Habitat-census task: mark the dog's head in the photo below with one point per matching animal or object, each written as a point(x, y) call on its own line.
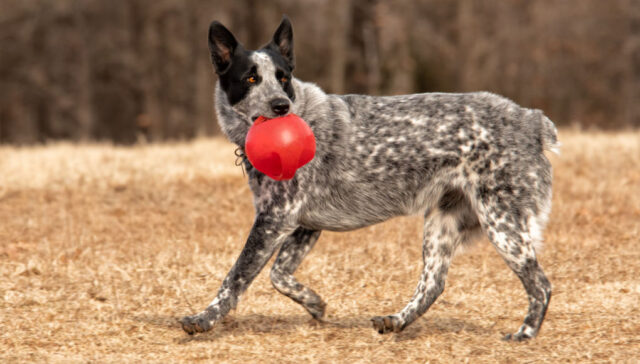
point(254, 82)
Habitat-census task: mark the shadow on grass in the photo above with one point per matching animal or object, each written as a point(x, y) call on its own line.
point(158, 321)
point(433, 326)
point(269, 324)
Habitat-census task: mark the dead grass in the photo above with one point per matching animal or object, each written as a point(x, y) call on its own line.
point(103, 248)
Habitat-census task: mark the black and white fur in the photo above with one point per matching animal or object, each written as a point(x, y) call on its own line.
point(472, 163)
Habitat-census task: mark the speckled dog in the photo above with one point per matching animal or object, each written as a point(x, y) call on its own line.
point(471, 163)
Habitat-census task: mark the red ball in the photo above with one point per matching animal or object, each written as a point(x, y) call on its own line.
point(278, 147)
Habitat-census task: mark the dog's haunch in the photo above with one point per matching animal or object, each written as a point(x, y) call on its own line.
point(278, 147)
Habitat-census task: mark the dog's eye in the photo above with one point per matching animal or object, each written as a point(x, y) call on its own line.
point(251, 79)
point(284, 79)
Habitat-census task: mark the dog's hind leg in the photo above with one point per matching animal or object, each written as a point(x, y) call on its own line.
point(514, 242)
point(446, 227)
point(513, 212)
point(293, 250)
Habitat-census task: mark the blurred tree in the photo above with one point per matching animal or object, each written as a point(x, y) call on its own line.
point(140, 70)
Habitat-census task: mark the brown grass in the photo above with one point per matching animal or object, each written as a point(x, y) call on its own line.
point(103, 248)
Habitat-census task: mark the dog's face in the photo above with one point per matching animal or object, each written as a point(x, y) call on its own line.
point(255, 82)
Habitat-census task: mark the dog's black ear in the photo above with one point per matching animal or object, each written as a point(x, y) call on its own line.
point(222, 44)
point(283, 40)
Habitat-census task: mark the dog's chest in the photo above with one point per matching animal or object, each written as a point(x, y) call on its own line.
point(346, 207)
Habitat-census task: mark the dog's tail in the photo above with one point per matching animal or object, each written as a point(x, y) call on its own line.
point(548, 132)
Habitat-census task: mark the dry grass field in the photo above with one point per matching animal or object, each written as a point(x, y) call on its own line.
point(103, 248)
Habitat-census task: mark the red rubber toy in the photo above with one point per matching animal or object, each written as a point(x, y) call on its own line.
point(278, 147)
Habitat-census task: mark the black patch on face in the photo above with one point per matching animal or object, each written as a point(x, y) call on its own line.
point(235, 82)
point(283, 69)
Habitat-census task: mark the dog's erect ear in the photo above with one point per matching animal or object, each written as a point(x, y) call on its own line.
point(222, 44)
point(283, 40)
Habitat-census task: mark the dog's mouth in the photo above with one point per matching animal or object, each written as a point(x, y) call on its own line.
point(259, 119)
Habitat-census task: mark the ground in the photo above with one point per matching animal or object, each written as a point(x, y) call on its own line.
point(103, 249)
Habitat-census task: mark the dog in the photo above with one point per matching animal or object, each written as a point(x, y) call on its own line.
point(472, 163)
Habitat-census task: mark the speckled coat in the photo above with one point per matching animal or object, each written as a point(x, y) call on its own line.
point(470, 163)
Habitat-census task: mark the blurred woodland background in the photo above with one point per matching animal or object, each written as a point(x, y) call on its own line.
point(122, 70)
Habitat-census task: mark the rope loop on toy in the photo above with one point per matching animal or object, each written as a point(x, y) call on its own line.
point(240, 158)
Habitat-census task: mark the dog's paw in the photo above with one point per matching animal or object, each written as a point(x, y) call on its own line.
point(316, 308)
point(526, 332)
point(197, 323)
point(518, 336)
point(384, 324)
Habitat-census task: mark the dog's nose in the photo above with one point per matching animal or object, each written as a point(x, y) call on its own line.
point(280, 106)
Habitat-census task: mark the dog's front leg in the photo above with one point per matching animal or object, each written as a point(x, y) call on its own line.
point(267, 234)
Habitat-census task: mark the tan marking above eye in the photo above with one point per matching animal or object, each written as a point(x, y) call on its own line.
point(284, 79)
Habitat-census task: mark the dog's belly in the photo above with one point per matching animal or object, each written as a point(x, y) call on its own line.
point(343, 209)
point(335, 220)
